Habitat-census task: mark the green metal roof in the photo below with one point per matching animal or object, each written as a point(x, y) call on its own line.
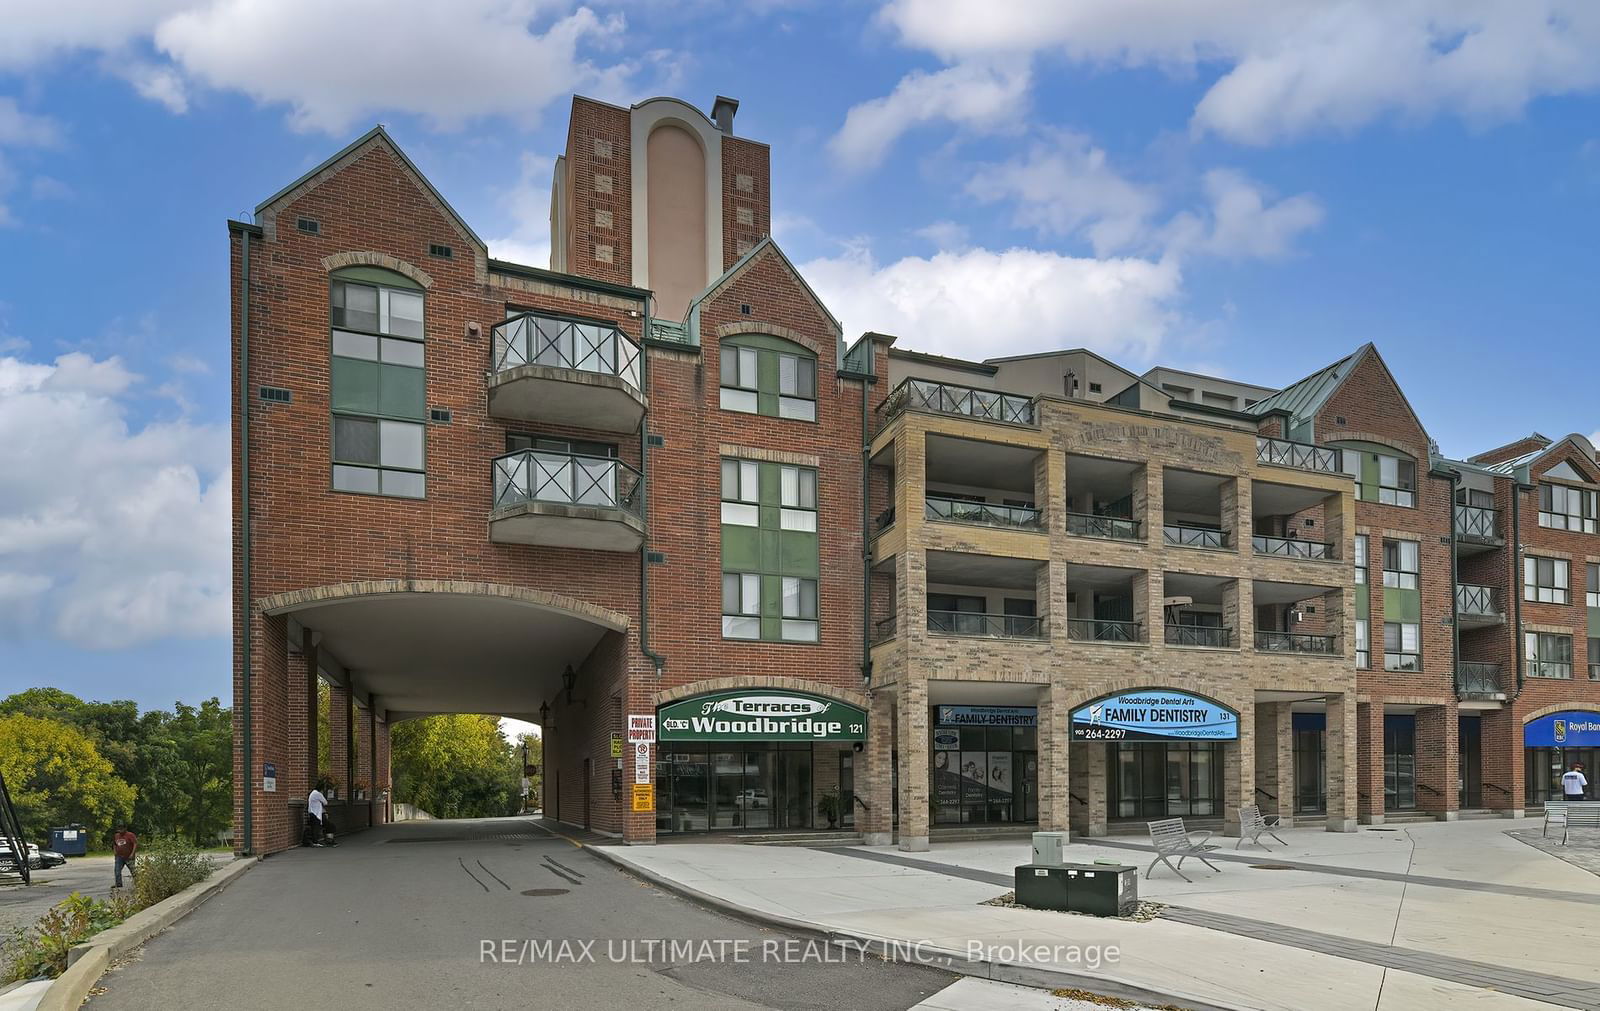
point(1306, 397)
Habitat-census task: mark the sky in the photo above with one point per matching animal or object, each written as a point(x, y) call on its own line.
point(1250, 188)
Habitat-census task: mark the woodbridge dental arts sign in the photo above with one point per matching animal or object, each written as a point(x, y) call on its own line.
point(1154, 714)
point(759, 714)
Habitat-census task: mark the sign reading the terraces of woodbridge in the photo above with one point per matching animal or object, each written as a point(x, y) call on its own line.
point(1154, 714)
point(761, 714)
point(1571, 729)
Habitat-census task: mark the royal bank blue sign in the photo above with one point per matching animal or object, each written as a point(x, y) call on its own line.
point(1571, 729)
point(1154, 714)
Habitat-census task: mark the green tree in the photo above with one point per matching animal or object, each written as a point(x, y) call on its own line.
point(191, 767)
point(57, 777)
point(458, 766)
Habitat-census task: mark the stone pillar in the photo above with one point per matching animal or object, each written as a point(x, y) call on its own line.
point(1439, 761)
point(911, 725)
point(1341, 743)
point(339, 754)
point(1504, 766)
point(1238, 612)
point(1055, 807)
point(875, 775)
point(1369, 767)
point(1098, 787)
point(1333, 528)
point(1275, 760)
point(1239, 768)
point(1147, 596)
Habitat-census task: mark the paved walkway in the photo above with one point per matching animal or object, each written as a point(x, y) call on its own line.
point(1582, 848)
point(1433, 915)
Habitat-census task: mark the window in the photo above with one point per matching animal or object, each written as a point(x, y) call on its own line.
point(378, 384)
point(1400, 649)
point(442, 252)
point(551, 444)
point(1094, 387)
point(1563, 508)
point(1594, 659)
point(1397, 481)
point(1544, 580)
point(760, 377)
point(1361, 559)
point(1592, 596)
point(741, 490)
point(1350, 459)
point(1400, 564)
point(799, 609)
point(1547, 655)
point(798, 495)
point(1363, 654)
point(741, 605)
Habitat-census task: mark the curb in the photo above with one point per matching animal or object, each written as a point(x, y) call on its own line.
point(942, 958)
point(87, 961)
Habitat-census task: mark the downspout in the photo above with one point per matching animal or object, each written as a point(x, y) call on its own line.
point(644, 498)
point(244, 524)
point(1516, 574)
point(866, 540)
point(1455, 594)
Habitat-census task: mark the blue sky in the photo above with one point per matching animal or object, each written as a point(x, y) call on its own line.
point(1252, 189)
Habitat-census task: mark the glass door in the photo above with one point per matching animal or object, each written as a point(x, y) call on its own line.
point(1470, 738)
point(791, 796)
point(1310, 773)
point(1399, 763)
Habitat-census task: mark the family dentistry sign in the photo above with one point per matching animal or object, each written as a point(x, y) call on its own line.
point(761, 715)
point(1154, 714)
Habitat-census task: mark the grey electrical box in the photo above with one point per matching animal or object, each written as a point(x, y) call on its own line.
point(1097, 889)
point(1050, 848)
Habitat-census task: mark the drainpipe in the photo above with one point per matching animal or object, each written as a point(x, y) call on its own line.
point(244, 526)
point(1516, 574)
point(644, 499)
point(866, 541)
point(1455, 596)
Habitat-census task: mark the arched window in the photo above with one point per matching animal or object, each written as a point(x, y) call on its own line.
point(379, 383)
point(1382, 474)
point(768, 375)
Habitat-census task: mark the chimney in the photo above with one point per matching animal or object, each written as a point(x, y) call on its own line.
point(722, 111)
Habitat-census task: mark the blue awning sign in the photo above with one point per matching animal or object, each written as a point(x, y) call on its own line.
point(1572, 728)
point(1155, 714)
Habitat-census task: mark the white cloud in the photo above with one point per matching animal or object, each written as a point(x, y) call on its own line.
point(158, 83)
point(1289, 67)
point(979, 97)
point(1241, 221)
point(948, 236)
point(118, 532)
point(982, 302)
point(22, 129)
point(40, 30)
point(527, 211)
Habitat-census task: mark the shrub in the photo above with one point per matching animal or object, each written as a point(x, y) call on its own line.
point(42, 951)
point(165, 867)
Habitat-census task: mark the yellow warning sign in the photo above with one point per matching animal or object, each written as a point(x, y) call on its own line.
point(616, 745)
point(644, 796)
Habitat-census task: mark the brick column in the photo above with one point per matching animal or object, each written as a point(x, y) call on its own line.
point(362, 744)
point(381, 778)
point(1055, 807)
point(339, 738)
point(308, 648)
point(1099, 790)
point(875, 773)
point(1369, 766)
point(1439, 761)
point(1503, 763)
point(1341, 744)
point(1238, 611)
point(911, 726)
point(1239, 768)
point(1230, 501)
point(1275, 759)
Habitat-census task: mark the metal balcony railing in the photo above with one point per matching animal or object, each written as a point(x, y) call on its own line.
point(1290, 547)
point(885, 520)
point(1194, 537)
point(883, 629)
point(1117, 528)
point(993, 626)
point(962, 511)
point(1296, 642)
point(949, 398)
point(1474, 599)
point(1097, 630)
point(1478, 680)
point(531, 339)
point(1477, 522)
point(536, 475)
point(1298, 454)
point(1199, 635)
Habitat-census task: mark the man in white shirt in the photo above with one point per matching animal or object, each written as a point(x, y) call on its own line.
point(1573, 782)
point(316, 803)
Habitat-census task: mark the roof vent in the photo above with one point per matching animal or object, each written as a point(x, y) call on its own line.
point(722, 111)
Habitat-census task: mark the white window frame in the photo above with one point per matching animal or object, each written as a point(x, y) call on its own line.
point(745, 621)
point(1395, 660)
point(1402, 578)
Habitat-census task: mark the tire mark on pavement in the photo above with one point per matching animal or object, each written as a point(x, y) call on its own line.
point(564, 867)
point(474, 877)
point(492, 874)
point(560, 873)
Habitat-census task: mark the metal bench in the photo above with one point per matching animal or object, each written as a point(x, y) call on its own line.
point(1253, 825)
point(1578, 816)
point(1555, 813)
point(1171, 840)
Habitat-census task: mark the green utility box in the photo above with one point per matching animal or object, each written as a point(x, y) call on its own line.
point(1097, 889)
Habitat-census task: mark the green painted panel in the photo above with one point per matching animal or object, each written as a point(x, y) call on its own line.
point(771, 493)
point(1370, 474)
point(1402, 605)
point(769, 551)
point(402, 392)
point(376, 275)
point(1594, 628)
point(772, 629)
point(741, 549)
point(771, 597)
point(767, 342)
point(798, 553)
point(1363, 602)
point(355, 385)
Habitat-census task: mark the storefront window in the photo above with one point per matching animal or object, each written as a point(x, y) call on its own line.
point(1166, 780)
point(984, 765)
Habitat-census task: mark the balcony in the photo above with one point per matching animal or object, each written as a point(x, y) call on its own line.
point(1296, 642)
point(1303, 455)
point(1113, 527)
point(1479, 681)
point(949, 398)
point(981, 513)
point(564, 372)
point(987, 626)
point(564, 500)
point(1477, 529)
point(1291, 547)
point(883, 629)
point(1195, 537)
point(1096, 630)
point(1199, 635)
point(1478, 606)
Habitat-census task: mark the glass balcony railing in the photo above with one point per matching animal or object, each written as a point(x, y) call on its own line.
point(1477, 522)
point(1199, 635)
point(1284, 453)
point(949, 398)
point(531, 339)
point(963, 511)
point(1116, 528)
point(1473, 599)
point(1290, 547)
point(1194, 537)
point(1097, 630)
point(1296, 642)
point(993, 626)
point(532, 475)
point(1478, 680)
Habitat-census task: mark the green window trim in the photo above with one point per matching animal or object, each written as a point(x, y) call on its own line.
point(1365, 461)
point(770, 376)
point(770, 540)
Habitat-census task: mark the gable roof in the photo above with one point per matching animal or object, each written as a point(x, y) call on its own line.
point(1305, 398)
point(692, 317)
point(349, 153)
point(1521, 467)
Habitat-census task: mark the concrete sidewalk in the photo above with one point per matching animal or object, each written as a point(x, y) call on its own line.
point(1432, 915)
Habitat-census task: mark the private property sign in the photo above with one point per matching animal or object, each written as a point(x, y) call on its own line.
point(641, 729)
point(1154, 714)
point(761, 714)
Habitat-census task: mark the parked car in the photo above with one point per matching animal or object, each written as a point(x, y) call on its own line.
point(38, 859)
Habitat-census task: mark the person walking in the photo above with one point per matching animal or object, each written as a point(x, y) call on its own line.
point(1574, 783)
point(316, 804)
point(124, 845)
